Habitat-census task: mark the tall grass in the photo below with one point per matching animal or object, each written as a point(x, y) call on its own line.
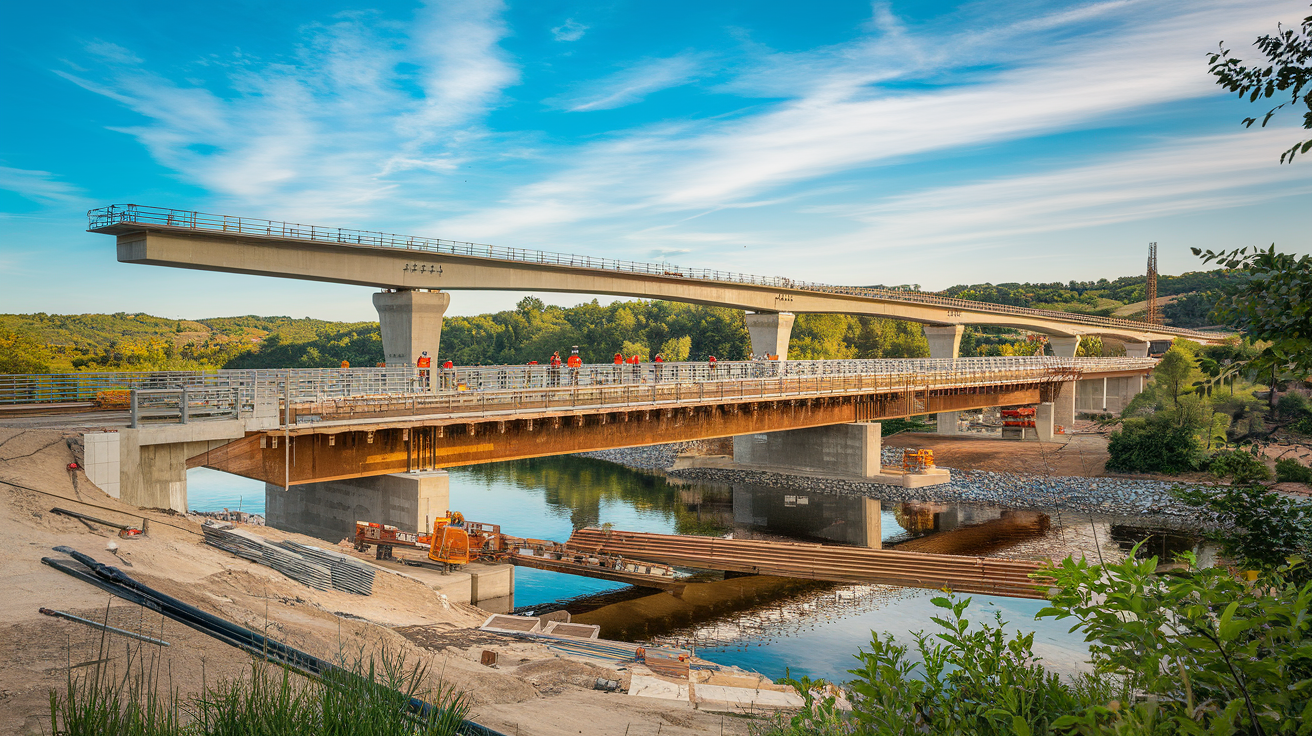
point(370, 697)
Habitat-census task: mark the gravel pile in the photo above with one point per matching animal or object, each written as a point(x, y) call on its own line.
point(1105, 496)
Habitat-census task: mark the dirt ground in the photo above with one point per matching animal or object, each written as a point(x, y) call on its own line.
point(1083, 455)
point(532, 692)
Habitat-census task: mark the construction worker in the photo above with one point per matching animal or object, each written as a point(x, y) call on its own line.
point(659, 358)
point(346, 364)
point(423, 364)
point(554, 370)
point(575, 363)
point(619, 367)
point(448, 374)
point(711, 361)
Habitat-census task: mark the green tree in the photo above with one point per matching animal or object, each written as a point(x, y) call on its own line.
point(676, 349)
point(1156, 444)
point(22, 352)
point(1273, 305)
point(1286, 70)
point(1173, 371)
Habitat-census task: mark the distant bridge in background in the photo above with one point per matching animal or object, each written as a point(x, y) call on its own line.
point(417, 272)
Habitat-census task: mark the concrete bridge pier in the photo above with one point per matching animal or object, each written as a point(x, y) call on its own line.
point(411, 323)
point(944, 341)
point(945, 344)
point(329, 509)
point(1137, 349)
point(1064, 347)
point(769, 332)
point(845, 449)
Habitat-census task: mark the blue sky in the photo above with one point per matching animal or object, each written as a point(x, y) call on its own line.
point(845, 142)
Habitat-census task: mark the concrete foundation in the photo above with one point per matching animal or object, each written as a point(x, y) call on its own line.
point(845, 449)
point(329, 510)
point(411, 324)
point(1064, 347)
point(948, 422)
point(770, 333)
point(944, 341)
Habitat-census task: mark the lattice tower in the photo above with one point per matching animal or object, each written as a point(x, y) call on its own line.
point(1153, 315)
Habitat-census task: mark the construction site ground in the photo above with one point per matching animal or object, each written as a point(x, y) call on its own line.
point(532, 691)
point(1082, 455)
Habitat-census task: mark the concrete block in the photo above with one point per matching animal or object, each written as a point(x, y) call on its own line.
point(948, 422)
point(329, 510)
point(845, 449)
point(489, 582)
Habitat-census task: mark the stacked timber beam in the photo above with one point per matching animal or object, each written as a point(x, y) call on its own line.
point(984, 575)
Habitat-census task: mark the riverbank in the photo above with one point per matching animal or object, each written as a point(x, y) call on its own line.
point(533, 690)
point(1145, 502)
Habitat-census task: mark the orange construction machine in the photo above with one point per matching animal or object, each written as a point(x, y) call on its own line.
point(453, 541)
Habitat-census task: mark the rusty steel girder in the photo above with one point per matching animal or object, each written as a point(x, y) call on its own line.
point(316, 452)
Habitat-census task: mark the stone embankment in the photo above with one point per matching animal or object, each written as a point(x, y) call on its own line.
point(1117, 497)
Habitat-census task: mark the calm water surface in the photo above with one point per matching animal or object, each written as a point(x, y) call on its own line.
point(759, 623)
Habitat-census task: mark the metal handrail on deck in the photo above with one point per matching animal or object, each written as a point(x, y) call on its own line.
point(147, 216)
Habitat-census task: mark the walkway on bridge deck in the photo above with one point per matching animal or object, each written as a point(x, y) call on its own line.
point(985, 575)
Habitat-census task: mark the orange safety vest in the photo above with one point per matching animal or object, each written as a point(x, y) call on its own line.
point(575, 361)
point(424, 361)
point(619, 359)
point(448, 365)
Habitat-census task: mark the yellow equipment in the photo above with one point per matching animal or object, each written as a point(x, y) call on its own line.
point(458, 542)
point(917, 461)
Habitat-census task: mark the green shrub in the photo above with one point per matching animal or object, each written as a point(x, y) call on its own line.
point(1294, 405)
point(1260, 529)
point(1302, 426)
point(1289, 470)
point(1153, 445)
point(1238, 465)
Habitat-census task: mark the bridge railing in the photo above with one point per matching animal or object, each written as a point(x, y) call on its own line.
point(118, 214)
point(261, 393)
point(182, 405)
point(907, 377)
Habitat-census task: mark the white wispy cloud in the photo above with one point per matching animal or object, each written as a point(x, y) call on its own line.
point(336, 129)
point(570, 30)
point(42, 187)
point(631, 84)
point(1169, 177)
point(840, 118)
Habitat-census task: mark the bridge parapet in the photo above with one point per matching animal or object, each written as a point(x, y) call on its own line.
point(128, 218)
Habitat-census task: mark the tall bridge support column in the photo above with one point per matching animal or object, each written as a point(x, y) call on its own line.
point(1043, 421)
point(329, 509)
point(948, 422)
point(944, 341)
point(411, 324)
point(1064, 347)
point(770, 332)
point(1137, 349)
point(847, 449)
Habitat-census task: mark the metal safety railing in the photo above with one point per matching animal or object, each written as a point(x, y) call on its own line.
point(258, 392)
point(163, 217)
point(910, 379)
point(182, 405)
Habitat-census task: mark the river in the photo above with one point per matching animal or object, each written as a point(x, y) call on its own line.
point(769, 625)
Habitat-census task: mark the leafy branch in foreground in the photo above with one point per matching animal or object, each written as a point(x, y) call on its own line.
point(1289, 52)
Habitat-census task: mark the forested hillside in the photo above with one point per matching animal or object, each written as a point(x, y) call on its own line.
point(532, 331)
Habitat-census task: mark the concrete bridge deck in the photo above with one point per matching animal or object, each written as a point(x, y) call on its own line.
point(416, 270)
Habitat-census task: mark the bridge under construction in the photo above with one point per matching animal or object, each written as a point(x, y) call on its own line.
point(416, 275)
